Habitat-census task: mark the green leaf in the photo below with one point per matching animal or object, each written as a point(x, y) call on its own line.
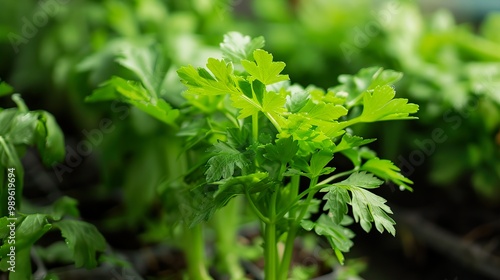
point(316, 166)
point(365, 79)
point(50, 139)
point(283, 151)
point(5, 89)
point(150, 66)
point(206, 202)
point(237, 47)
point(64, 206)
point(336, 203)
point(223, 163)
point(322, 111)
point(135, 94)
point(246, 105)
point(386, 170)
point(55, 211)
point(28, 230)
point(338, 236)
point(297, 99)
point(264, 69)
point(84, 240)
point(318, 162)
point(199, 81)
point(18, 127)
point(119, 88)
point(351, 141)
point(366, 206)
point(361, 180)
point(273, 106)
point(314, 125)
point(380, 105)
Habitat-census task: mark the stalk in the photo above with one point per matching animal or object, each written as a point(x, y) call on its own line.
point(292, 233)
point(226, 227)
point(177, 163)
point(270, 251)
point(194, 250)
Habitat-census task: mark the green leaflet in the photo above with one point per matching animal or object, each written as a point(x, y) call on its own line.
point(386, 170)
point(338, 236)
point(150, 66)
point(237, 47)
point(380, 105)
point(83, 239)
point(135, 94)
point(220, 79)
point(264, 69)
point(224, 161)
point(204, 201)
point(351, 141)
point(366, 206)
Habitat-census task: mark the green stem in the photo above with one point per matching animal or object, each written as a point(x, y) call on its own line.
point(312, 185)
point(290, 239)
point(255, 209)
point(270, 251)
point(292, 233)
point(336, 176)
point(255, 127)
point(194, 250)
point(176, 163)
point(226, 227)
point(287, 254)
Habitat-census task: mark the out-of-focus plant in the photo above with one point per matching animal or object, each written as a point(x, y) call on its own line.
point(22, 227)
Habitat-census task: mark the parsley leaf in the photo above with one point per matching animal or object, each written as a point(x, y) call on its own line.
point(223, 163)
point(84, 240)
point(199, 81)
point(366, 206)
point(351, 141)
point(237, 47)
point(338, 236)
point(205, 201)
point(336, 203)
point(134, 93)
point(379, 105)
point(264, 69)
point(150, 66)
point(386, 170)
point(283, 151)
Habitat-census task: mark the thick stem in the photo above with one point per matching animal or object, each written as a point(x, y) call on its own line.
point(194, 250)
point(226, 227)
point(177, 163)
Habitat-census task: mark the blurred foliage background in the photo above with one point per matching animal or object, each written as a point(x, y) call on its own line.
point(57, 52)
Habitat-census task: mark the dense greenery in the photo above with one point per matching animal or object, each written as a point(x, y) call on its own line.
point(198, 139)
